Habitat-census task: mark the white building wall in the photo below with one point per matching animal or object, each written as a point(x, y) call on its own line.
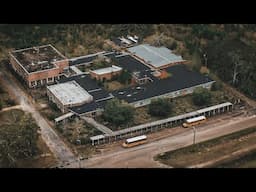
point(171, 94)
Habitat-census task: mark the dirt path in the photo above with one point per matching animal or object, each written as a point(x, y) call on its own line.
point(53, 141)
point(142, 156)
point(10, 108)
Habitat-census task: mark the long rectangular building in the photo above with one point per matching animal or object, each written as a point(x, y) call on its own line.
point(68, 94)
point(181, 82)
point(156, 57)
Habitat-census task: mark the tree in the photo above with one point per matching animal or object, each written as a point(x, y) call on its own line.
point(173, 45)
point(1, 104)
point(117, 113)
point(125, 77)
point(201, 96)
point(159, 107)
point(19, 141)
point(1, 90)
point(236, 60)
point(216, 86)
point(196, 61)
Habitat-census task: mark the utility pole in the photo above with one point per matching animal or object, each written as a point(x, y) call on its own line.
point(194, 138)
point(205, 57)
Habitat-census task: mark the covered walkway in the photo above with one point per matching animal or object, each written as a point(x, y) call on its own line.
point(160, 124)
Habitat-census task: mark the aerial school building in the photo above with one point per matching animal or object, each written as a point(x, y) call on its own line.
point(80, 93)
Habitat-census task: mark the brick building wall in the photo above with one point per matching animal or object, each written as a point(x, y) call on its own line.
point(106, 76)
point(39, 78)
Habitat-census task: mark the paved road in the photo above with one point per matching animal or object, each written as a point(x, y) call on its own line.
point(53, 141)
point(142, 156)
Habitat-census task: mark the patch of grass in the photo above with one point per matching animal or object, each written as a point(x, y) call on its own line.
point(113, 85)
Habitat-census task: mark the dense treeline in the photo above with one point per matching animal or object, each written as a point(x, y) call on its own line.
point(234, 62)
point(229, 47)
point(66, 36)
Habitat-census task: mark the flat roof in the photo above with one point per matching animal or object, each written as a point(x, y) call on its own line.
point(181, 78)
point(70, 93)
point(130, 64)
point(155, 56)
point(62, 117)
point(97, 137)
point(84, 80)
point(38, 58)
point(93, 106)
point(100, 95)
point(106, 70)
point(214, 107)
point(90, 85)
point(195, 119)
point(133, 139)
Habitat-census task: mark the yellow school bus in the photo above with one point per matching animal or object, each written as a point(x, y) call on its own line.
point(134, 141)
point(194, 121)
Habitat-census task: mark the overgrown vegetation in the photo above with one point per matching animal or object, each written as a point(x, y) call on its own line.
point(5, 100)
point(100, 62)
point(18, 137)
point(117, 113)
point(216, 86)
point(70, 39)
point(125, 77)
point(201, 96)
point(160, 107)
point(235, 65)
point(77, 131)
point(229, 48)
point(51, 112)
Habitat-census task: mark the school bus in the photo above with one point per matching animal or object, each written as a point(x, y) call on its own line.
point(134, 141)
point(194, 121)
